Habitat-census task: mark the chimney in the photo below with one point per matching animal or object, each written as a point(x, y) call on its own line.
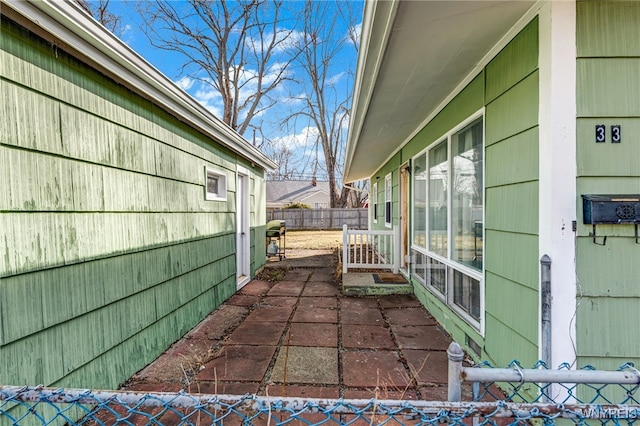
point(314, 181)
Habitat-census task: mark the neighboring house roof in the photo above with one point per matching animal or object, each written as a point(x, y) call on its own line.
point(71, 28)
point(415, 56)
point(283, 192)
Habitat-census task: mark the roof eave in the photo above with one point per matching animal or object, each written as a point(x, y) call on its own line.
point(73, 28)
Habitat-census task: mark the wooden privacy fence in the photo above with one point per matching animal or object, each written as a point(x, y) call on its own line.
point(298, 219)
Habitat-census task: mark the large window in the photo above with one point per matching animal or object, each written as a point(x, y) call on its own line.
point(448, 211)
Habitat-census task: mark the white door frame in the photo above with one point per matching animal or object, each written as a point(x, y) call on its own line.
point(243, 236)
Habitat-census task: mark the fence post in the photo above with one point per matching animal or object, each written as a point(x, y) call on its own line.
point(454, 387)
point(345, 248)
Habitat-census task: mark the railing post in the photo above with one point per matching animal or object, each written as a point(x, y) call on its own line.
point(345, 248)
point(455, 355)
point(396, 249)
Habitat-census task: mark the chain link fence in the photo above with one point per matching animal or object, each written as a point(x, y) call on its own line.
point(498, 396)
point(47, 406)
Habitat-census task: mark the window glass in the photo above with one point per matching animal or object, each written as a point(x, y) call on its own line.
point(420, 175)
point(419, 270)
point(467, 196)
point(212, 184)
point(374, 194)
point(387, 200)
point(466, 293)
point(437, 275)
point(438, 177)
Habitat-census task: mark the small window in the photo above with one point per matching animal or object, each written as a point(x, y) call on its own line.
point(215, 185)
point(374, 201)
point(387, 200)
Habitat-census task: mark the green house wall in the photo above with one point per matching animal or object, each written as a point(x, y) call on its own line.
point(110, 250)
point(507, 89)
point(608, 66)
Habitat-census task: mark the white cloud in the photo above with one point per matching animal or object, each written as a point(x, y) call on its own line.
point(185, 83)
point(336, 78)
point(307, 137)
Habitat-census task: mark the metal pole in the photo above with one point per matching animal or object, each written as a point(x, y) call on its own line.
point(545, 308)
point(455, 355)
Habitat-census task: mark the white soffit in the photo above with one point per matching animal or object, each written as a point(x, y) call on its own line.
point(431, 48)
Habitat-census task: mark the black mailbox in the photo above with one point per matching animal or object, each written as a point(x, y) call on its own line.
point(611, 209)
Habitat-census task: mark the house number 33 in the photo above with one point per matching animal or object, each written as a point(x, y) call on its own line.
point(601, 132)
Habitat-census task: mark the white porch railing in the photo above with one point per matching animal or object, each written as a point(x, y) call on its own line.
point(364, 249)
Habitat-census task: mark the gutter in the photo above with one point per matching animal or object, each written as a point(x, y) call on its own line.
point(72, 29)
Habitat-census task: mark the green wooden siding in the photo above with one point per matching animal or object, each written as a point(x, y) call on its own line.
point(608, 66)
point(111, 250)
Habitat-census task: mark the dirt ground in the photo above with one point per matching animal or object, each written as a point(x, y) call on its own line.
point(313, 240)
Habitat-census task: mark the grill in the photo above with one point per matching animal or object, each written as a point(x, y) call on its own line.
point(276, 240)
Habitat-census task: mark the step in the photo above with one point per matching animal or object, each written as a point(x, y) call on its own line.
point(374, 284)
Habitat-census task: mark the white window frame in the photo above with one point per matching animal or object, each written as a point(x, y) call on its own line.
point(388, 200)
point(448, 297)
point(221, 195)
point(374, 201)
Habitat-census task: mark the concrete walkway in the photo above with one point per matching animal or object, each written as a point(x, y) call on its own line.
point(301, 337)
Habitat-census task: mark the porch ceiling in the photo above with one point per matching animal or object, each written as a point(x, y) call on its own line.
point(413, 55)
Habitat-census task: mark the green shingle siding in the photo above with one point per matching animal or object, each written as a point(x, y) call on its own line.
point(111, 251)
point(511, 204)
point(608, 66)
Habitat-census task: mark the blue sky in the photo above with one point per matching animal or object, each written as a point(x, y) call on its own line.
point(300, 137)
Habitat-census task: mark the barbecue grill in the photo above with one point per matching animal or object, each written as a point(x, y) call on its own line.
point(276, 240)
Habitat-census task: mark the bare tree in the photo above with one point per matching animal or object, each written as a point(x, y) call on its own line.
point(327, 103)
point(100, 11)
point(233, 47)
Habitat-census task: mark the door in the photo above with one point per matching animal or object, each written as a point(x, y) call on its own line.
point(404, 216)
point(243, 257)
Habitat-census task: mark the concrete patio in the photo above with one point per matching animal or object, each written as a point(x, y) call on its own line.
point(302, 337)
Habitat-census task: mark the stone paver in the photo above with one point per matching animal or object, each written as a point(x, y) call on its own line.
point(320, 289)
point(317, 302)
point(369, 316)
point(287, 288)
point(428, 367)
point(313, 314)
point(256, 287)
point(257, 333)
point(409, 316)
point(366, 336)
point(381, 369)
point(312, 334)
point(238, 363)
point(271, 314)
point(306, 365)
point(278, 301)
point(420, 337)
